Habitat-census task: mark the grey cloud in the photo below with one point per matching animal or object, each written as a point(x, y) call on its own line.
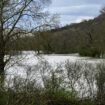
point(67, 19)
point(76, 10)
point(94, 1)
point(76, 2)
point(86, 10)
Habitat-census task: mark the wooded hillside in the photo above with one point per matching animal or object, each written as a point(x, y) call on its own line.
point(86, 38)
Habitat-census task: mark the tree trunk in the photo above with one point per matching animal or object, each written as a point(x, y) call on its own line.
point(2, 65)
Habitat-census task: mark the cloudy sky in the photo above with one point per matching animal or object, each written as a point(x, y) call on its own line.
point(76, 10)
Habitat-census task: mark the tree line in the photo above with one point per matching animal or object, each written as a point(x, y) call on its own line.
point(86, 38)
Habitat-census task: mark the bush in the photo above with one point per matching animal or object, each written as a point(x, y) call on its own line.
point(91, 52)
point(62, 97)
point(79, 84)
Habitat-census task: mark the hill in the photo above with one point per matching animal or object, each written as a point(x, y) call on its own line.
point(87, 35)
point(86, 38)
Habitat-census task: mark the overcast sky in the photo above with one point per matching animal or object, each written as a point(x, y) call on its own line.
point(76, 10)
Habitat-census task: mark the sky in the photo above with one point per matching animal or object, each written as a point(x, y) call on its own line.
point(74, 11)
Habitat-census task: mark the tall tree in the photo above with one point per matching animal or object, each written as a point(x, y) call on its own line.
point(17, 16)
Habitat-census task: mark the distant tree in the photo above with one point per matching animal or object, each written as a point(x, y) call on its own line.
point(45, 42)
point(102, 10)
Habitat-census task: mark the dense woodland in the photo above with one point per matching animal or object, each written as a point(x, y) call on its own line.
point(86, 38)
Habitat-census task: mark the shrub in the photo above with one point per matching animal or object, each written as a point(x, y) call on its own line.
point(82, 84)
point(92, 52)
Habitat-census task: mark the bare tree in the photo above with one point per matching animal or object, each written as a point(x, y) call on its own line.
point(16, 17)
